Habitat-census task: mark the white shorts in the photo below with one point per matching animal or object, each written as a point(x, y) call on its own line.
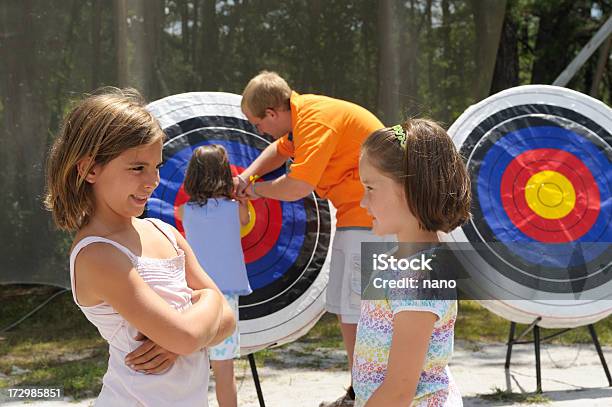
point(230, 347)
point(343, 296)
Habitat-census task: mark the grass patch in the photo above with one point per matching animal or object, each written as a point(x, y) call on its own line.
point(476, 324)
point(57, 346)
point(325, 333)
point(265, 356)
point(499, 395)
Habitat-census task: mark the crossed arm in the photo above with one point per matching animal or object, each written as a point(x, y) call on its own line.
point(166, 332)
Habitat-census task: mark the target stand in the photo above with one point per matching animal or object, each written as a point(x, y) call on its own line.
point(537, 341)
point(539, 159)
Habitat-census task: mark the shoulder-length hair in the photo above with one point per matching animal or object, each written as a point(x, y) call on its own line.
point(435, 179)
point(98, 129)
point(209, 175)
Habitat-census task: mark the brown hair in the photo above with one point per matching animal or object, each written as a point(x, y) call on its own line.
point(266, 90)
point(435, 179)
point(99, 127)
point(209, 175)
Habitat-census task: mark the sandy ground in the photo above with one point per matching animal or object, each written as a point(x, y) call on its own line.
point(298, 377)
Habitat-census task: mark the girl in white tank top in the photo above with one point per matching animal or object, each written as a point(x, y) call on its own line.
point(132, 277)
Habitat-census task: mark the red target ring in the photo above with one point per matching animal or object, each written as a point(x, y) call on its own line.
point(266, 230)
point(566, 229)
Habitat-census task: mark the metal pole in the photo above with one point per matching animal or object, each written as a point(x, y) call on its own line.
point(584, 54)
point(536, 343)
point(256, 380)
point(600, 353)
point(510, 343)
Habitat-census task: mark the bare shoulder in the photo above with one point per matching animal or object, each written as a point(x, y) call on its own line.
point(99, 267)
point(101, 261)
point(180, 239)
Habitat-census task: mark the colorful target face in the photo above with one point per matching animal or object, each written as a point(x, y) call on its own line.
point(286, 243)
point(540, 164)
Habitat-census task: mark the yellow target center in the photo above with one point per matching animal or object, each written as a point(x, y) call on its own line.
point(246, 229)
point(550, 194)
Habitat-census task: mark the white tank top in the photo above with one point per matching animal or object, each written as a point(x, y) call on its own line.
point(186, 382)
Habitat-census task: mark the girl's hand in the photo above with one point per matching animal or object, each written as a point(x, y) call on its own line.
point(239, 185)
point(249, 191)
point(150, 358)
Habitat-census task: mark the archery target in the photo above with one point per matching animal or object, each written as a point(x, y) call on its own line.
point(286, 243)
point(539, 159)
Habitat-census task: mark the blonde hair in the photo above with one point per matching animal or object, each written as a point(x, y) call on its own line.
point(435, 179)
point(266, 90)
point(99, 127)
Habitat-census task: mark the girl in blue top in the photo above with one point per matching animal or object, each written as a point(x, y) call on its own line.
point(212, 219)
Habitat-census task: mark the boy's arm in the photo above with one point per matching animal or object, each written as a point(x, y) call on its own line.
point(283, 188)
point(269, 160)
point(411, 334)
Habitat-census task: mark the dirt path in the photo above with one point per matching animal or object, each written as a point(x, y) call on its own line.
point(296, 376)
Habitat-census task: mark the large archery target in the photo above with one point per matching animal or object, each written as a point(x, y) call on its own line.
point(539, 159)
point(286, 244)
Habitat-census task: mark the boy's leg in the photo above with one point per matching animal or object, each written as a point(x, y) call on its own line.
point(349, 333)
point(225, 384)
point(343, 295)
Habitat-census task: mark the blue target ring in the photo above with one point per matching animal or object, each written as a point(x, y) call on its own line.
point(489, 180)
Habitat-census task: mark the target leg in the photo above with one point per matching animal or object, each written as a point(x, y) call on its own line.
point(256, 380)
point(536, 343)
point(510, 343)
point(600, 353)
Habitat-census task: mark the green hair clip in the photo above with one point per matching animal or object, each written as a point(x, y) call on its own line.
point(400, 134)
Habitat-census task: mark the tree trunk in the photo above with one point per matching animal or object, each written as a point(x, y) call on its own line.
point(153, 18)
point(210, 46)
point(26, 241)
point(121, 42)
point(429, 22)
point(184, 11)
point(446, 54)
point(388, 97)
point(488, 21)
point(604, 55)
point(506, 71)
point(553, 41)
point(96, 58)
point(194, 33)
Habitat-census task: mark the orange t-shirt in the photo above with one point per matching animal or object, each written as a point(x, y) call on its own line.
point(327, 138)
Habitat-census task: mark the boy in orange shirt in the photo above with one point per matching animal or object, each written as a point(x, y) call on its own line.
point(323, 136)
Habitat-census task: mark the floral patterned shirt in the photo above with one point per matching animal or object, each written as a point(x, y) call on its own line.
point(436, 387)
